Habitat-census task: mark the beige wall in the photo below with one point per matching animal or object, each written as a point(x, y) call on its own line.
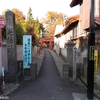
point(97, 8)
point(62, 41)
point(84, 15)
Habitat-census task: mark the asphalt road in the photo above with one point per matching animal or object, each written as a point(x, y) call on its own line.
point(48, 85)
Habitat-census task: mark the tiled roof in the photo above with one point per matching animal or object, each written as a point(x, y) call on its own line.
point(97, 20)
point(72, 19)
point(68, 22)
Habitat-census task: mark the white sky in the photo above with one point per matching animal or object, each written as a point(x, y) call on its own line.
point(40, 7)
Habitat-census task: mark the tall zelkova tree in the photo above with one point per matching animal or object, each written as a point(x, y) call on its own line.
point(37, 28)
point(31, 23)
point(29, 20)
point(30, 15)
point(51, 20)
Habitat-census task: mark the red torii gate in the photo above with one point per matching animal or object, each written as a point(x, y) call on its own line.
point(50, 40)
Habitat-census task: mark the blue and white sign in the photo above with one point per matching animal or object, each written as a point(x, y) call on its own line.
point(27, 51)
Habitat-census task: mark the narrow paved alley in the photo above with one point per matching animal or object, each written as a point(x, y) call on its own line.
point(48, 85)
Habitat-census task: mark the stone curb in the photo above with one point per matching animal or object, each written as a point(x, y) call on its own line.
point(58, 60)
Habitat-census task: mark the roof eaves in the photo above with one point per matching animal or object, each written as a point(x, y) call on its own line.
point(57, 35)
point(75, 2)
point(71, 21)
point(97, 20)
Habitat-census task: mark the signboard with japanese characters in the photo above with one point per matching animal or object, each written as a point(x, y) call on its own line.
point(96, 60)
point(27, 51)
point(91, 54)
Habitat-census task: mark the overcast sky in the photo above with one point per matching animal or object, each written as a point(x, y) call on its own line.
point(40, 7)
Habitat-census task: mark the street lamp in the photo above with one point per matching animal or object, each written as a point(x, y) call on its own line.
point(91, 47)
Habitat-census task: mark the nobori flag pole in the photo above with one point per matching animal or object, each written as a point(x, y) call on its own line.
point(91, 47)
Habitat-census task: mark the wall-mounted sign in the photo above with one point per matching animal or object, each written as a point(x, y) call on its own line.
point(96, 62)
point(91, 53)
point(27, 51)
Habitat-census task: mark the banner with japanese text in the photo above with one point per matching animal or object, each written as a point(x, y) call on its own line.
point(27, 51)
point(96, 62)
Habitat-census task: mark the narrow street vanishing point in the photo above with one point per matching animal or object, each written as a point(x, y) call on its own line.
point(48, 85)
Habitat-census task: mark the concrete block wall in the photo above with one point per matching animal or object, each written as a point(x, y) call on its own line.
point(64, 52)
point(19, 55)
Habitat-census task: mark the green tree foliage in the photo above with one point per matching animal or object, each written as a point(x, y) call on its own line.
point(30, 15)
point(51, 20)
point(37, 28)
point(19, 18)
point(24, 26)
point(19, 33)
point(33, 24)
point(4, 33)
point(30, 20)
point(42, 27)
point(4, 28)
point(20, 25)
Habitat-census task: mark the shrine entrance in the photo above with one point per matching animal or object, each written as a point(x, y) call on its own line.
point(48, 41)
